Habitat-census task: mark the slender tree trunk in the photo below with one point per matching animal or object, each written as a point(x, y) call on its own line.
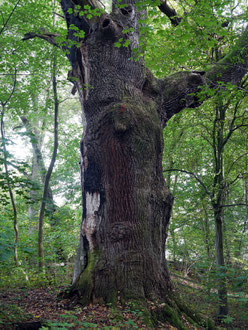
point(218, 199)
point(32, 212)
point(39, 164)
point(238, 252)
point(171, 227)
point(11, 195)
point(49, 171)
point(220, 263)
point(206, 231)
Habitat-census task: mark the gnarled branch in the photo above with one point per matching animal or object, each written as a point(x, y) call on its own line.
point(49, 37)
point(180, 91)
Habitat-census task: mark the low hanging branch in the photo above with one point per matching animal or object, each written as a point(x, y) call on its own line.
point(49, 37)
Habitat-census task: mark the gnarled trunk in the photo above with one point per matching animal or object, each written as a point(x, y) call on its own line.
point(126, 206)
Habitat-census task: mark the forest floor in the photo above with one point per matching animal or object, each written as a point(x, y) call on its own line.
point(35, 308)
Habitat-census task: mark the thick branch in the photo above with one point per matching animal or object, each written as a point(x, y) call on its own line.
point(179, 91)
point(169, 12)
point(72, 15)
point(233, 67)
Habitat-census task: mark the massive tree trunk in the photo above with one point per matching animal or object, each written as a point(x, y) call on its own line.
point(126, 205)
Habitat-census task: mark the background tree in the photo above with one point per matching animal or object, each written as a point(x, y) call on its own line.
point(216, 177)
point(28, 121)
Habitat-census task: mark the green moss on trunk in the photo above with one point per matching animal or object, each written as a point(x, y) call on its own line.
point(85, 283)
point(166, 313)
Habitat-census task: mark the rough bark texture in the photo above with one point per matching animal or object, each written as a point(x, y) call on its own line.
point(126, 206)
point(218, 200)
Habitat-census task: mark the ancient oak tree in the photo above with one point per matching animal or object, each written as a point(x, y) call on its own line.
point(126, 204)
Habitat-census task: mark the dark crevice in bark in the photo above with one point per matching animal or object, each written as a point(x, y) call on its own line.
point(105, 23)
point(109, 29)
point(86, 248)
point(127, 11)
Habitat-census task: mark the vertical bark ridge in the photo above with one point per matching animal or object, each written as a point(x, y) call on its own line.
point(126, 206)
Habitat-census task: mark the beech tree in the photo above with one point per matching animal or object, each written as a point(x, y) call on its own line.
point(126, 204)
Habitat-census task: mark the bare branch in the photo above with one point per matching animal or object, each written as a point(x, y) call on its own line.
point(238, 177)
point(236, 160)
point(232, 205)
point(49, 37)
point(10, 15)
point(192, 174)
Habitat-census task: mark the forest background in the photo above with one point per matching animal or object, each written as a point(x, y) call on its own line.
point(206, 162)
